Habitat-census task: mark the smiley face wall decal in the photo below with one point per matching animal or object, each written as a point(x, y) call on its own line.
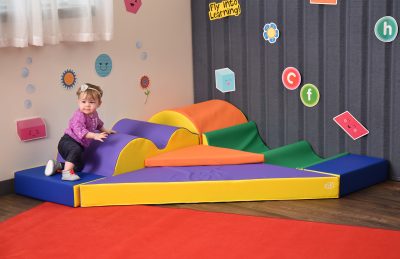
point(133, 6)
point(351, 125)
point(103, 65)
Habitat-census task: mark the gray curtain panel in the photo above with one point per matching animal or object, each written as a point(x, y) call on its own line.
point(333, 47)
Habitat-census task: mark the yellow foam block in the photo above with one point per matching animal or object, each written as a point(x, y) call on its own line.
point(209, 191)
point(133, 155)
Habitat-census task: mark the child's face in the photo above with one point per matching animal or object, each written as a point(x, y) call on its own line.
point(88, 104)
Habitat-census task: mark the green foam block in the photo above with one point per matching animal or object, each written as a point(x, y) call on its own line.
point(296, 155)
point(243, 137)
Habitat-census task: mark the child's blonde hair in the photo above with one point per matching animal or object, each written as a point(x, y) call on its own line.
point(90, 90)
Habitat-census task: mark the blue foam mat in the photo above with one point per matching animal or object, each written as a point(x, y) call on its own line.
point(33, 183)
point(356, 171)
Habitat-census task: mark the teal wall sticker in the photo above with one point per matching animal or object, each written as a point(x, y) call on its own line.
point(386, 29)
point(225, 80)
point(103, 65)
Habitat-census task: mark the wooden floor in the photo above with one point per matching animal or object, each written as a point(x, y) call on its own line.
point(377, 206)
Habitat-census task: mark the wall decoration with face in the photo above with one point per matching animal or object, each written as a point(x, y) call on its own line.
point(103, 65)
point(350, 125)
point(68, 79)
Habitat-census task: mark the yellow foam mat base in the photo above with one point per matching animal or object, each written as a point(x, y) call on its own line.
point(77, 197)
point(209, 191)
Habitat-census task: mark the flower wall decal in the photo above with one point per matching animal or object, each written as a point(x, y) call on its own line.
point(271, 32)
point(145, 84)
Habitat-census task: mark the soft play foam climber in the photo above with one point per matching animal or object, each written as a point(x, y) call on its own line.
point(228, 168)
point(134, 141)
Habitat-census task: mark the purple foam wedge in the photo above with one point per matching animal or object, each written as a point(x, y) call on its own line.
point(101, 157)
point(159, 134)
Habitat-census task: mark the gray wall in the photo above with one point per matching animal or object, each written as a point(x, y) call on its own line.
point(334, 47)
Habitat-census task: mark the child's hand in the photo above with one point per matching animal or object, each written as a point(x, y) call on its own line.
point(109, 131)
point(100, 136)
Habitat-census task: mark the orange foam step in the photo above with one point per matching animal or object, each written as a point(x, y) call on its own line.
point(204, 155)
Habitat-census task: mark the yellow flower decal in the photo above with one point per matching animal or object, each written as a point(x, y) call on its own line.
point(271, 32)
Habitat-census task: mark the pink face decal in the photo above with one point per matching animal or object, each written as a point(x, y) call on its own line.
point(351, 125)
point(133, 5)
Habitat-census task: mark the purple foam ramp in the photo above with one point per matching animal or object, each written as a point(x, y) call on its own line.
point(209, 173)
point(101, 157)
point(157, 133)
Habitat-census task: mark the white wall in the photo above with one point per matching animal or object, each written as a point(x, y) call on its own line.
point(163, 27)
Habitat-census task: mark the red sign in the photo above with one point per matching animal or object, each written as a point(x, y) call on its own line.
point(351, 125)
point(331, 2)
point(291, 78)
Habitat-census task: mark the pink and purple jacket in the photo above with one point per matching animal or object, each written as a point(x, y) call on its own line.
point(80, 124)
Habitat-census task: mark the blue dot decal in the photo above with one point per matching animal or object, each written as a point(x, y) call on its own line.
point(139, 44)
point(30, 88)
point(103, 65)
point(27, 104)
point(143, 55)
point(25, 72)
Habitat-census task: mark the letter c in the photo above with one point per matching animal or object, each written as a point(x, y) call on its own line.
point(291, 74)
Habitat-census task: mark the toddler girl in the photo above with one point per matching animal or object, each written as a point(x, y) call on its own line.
point(81, 131)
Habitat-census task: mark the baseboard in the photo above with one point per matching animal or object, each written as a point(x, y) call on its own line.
point(7, 187)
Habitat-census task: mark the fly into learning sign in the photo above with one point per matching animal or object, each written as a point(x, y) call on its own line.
point(224, 9)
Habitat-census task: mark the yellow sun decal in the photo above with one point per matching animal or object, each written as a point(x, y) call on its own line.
point(68, 79)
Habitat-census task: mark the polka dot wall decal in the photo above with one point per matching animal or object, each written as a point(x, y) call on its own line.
point(139, 44)
point(27, 104)
point(25, 72)
point(143, 55)
point(30, 88)
point(28, 60)
point(68, 79)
